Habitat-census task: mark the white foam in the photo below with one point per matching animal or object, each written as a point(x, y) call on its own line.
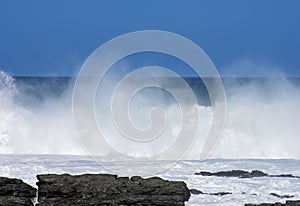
point(258, 125)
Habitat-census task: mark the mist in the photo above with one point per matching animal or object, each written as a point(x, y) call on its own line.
point(262, 120)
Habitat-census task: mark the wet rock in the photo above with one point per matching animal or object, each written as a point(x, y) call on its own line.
point(285, 175)
point(234, 173)
point(257, 173)
point(14, 192)
point(195, 192)
point(198, 192)
point(243, 174)
point(220, 193)
point(102, 189)
point(281, 196)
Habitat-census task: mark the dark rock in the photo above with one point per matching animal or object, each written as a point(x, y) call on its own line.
point(234, 173)
point(198, 192)
point(243, 174)
point(257, 173)
point(15, 201)
point(285, 175)
point(288, 203)
point(292, 203)
point(195, 192)
point(221, 193)
point(102, 189)
point(15, 192)
point(281, 196)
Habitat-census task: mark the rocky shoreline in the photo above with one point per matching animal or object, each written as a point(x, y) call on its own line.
point(107, 189)
point(14, 192)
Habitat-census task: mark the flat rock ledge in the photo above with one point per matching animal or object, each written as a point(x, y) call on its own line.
point(105, 189)
point(243, 174)
point(14, 192)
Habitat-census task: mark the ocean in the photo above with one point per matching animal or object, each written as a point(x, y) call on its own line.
point(243, 190)
point(261, 132)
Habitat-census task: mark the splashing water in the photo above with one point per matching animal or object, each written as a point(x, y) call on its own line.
point(34, 127)
point(262, 118)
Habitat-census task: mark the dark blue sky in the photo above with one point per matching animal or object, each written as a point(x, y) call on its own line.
point(55, 37)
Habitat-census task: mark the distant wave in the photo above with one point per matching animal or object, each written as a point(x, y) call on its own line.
point(262, 118)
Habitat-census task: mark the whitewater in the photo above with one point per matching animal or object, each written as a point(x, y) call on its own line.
point(253, 190)
point(261, 132)
point(262, 117)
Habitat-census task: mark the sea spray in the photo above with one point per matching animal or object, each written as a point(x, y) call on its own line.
point(30, 124)
point(262, 117)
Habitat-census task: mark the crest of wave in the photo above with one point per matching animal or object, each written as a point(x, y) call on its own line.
point(34, 129)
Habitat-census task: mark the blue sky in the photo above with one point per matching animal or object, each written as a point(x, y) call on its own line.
point(241, 37)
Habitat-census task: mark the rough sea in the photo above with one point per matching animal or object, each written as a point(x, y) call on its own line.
point(261, 132)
